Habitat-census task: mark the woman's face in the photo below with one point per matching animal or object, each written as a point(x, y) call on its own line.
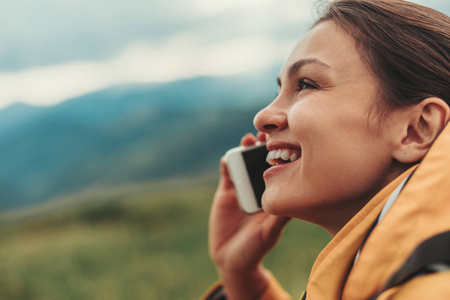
point(324, 121)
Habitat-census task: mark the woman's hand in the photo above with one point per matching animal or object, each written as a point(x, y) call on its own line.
point(238, 241)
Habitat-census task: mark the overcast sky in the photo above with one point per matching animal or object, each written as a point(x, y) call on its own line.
point(52, 50)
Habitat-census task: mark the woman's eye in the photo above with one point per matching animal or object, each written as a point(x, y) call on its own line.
point(303, 84)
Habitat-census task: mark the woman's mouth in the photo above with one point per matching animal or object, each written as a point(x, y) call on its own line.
point(283, 156)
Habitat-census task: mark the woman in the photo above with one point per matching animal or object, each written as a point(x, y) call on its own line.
point(361, 100)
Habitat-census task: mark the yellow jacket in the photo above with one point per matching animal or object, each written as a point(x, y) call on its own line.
point(421, 210)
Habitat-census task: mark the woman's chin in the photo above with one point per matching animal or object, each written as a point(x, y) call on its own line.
point(271, 205)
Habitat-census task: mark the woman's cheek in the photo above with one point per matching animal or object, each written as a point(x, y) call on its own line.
point(296, 117)
point(301, 119)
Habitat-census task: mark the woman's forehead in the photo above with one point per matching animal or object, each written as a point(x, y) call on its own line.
point(326, 44)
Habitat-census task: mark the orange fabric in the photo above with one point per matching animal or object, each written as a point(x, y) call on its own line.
point(274, 290)
point(430, 287)
point(422, 210)
point(332, 265)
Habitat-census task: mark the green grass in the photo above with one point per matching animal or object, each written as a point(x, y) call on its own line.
point(150, 245)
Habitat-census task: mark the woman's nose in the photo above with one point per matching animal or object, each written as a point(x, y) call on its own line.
point(270, 119)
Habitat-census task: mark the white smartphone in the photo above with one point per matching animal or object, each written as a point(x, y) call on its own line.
point(246, 166)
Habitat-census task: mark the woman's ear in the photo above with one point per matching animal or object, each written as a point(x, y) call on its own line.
point(425, 121)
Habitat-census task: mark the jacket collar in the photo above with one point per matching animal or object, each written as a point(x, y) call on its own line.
point(332, 266)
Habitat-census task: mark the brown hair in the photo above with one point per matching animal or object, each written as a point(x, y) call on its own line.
point(406, 45)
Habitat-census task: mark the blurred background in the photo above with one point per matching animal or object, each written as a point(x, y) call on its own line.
point(113, 117)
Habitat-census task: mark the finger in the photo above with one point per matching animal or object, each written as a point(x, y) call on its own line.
point(248, 140)
point(261, 136)
point(225, 179)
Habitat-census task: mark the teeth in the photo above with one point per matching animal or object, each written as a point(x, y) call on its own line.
point(285, 155)
point(293, 157)
point(279, 156)
point(271, 155)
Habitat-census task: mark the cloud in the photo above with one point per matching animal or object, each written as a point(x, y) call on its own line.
point(141, 62)
point(53, 50)
point(59, 49)
point(271, 9)
point(37, 33)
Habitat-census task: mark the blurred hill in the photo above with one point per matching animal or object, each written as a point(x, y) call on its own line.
point(134, 248)
point(127, 134)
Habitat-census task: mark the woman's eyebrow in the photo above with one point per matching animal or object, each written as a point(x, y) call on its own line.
point(300, 64)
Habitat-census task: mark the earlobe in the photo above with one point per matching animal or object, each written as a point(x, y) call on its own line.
point(424, 123)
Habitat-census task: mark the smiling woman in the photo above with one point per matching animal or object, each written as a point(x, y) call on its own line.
point(362, 99)
point(311, 114)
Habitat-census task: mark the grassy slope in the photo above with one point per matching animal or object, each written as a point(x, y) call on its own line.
point(146, 246)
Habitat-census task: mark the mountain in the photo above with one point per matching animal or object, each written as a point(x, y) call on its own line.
point(125, 134)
